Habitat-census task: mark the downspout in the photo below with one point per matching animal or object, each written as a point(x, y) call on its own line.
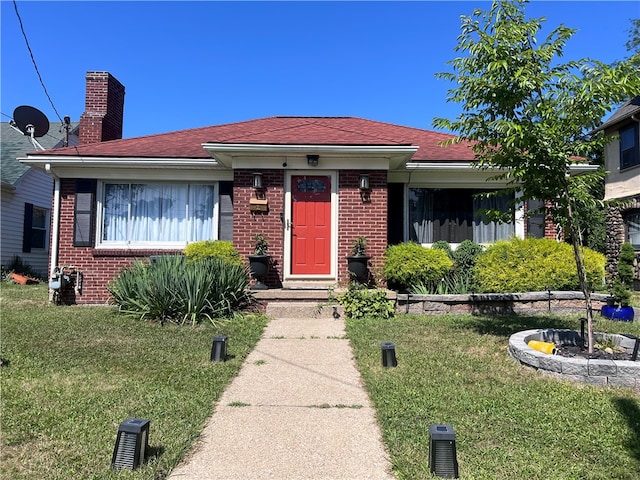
point(55, 221)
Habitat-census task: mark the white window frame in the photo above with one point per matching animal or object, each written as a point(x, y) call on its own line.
point(106, 245)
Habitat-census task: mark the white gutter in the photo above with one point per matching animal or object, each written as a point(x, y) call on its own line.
point(440, 166)
point(67, 161)
point(574, 168)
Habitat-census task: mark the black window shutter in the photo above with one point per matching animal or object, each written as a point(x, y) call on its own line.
point(225, 222)
point(26, 230)
point(84, 213)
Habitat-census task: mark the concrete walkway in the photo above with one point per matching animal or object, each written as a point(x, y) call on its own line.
point(297, 410)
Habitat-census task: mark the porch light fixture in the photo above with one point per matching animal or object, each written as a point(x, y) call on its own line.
point(364, 181)
point(131, 445)
point(219, 349)
point(442, 451)
point(389, 355)
point(312, 160)
point(257, 180)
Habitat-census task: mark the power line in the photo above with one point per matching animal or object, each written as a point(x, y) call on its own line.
point(33, 60)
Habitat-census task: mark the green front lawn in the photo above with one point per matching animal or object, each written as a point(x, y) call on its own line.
point(510, 421)
point(75, 373)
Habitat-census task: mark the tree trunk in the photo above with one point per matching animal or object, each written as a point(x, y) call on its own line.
point(576, 242)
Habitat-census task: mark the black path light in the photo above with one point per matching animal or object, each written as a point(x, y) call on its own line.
point(389, 355)
point(219, 349)
point(442, 451)
point(131, 445)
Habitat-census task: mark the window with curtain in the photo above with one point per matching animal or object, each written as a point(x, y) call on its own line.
point(455, 214)
point(157, 212)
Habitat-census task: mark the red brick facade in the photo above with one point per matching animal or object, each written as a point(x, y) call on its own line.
point(247, 224)
point(362, 214)
point(359, 214)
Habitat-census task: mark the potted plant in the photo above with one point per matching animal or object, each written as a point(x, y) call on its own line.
point(358, 260)
point(259, 261)
point(621, 287)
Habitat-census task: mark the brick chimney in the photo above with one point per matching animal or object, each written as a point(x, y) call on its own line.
point(104, 107)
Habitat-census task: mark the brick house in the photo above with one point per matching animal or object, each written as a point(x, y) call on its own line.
point(310, 184)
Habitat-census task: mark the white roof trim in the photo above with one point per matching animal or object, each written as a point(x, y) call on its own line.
point(40, 161)
point(227, 154)
point(574, 168)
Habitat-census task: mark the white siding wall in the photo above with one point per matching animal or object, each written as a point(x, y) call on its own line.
point(619, 184)
point(34, 187)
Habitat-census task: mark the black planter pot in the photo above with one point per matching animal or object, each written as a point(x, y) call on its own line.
point(259, 267)
point(358, 267)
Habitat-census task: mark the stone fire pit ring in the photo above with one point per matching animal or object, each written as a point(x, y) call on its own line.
point(619, 373)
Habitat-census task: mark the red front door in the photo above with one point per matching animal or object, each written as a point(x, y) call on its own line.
point(311, 225)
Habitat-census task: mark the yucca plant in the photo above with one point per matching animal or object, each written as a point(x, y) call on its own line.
point(170, 289)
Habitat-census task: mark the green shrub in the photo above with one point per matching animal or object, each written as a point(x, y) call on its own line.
point(466, 254)
point(172, 290)
point(534, 264)
point(213, 248)
point(410, 264)
point(360, 302)
point(623, 282)
point(443, 245)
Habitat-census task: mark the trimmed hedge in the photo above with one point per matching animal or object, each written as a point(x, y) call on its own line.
point(534, 264)
point(409, 264)
point(213, 248)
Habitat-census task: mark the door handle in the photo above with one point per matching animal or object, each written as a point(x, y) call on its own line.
point(289, 225)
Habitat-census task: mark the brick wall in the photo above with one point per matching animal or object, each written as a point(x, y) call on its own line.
point(247, 224)
point(360, 215)
point(104, 109)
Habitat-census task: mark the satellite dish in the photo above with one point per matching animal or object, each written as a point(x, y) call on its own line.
point(31, 121)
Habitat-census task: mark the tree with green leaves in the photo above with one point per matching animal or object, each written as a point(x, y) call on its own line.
point(529, 117)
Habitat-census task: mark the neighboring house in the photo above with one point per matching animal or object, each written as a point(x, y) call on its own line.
point(622, 183)
point(312, 185)
point(26, 199)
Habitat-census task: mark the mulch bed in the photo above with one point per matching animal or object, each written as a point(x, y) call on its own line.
point(575, 351)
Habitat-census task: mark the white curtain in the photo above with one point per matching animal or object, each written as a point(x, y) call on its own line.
point(485, 231)
point(201, 212)
point(158, 212)
point(421, 215)
point(115, 212)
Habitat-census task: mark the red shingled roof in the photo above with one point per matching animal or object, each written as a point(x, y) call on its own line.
point(279, 131)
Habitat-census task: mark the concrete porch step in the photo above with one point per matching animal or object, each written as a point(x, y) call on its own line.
point(304, 309)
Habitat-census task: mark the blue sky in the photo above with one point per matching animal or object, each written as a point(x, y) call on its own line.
point(193, 64)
